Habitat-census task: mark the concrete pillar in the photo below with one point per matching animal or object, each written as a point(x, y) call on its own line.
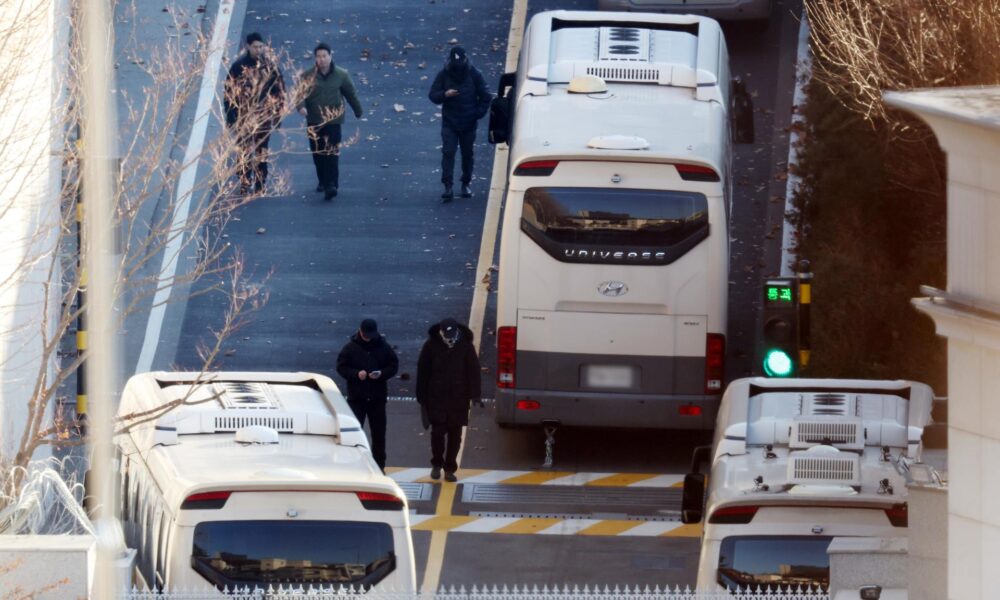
point(967, 124)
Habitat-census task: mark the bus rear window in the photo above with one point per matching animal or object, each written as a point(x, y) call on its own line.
point(774, 561)
point(602, 225)
point(306, 553)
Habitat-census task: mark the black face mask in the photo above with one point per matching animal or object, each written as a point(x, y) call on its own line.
point(458, 68)
point(450, 338)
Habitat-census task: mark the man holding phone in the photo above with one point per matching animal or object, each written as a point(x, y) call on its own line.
point(464, 98)
point(366, 362)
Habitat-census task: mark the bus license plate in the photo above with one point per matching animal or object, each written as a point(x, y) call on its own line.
point(609, 376)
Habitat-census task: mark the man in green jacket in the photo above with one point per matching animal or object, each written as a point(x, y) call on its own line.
point(327, 86)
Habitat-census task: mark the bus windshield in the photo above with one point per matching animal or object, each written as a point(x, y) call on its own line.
point(774, 561)
point(323, 553)
point(592, 224)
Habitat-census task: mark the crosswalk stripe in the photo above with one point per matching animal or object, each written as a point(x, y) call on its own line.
point(556, 478)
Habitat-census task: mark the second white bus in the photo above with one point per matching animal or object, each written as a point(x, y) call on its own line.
point(614, 255)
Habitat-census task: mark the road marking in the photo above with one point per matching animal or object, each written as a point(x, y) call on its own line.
point(185, 183)
point(477, 312)
point(549, 478)
point(441, 525)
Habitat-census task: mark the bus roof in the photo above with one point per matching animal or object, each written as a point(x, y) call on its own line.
point(676, 127)
point(218, 462)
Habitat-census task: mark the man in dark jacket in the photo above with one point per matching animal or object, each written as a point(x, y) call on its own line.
point(327, 87)
point(254, 99)
point(461, 90)
point(366, 362)
point(447, 382)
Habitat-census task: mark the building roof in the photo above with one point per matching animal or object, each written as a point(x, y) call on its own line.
point(977, 105)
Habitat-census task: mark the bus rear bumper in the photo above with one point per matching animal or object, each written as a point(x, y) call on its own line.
point(590, 409)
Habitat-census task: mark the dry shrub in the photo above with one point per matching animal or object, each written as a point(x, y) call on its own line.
point(873, 200)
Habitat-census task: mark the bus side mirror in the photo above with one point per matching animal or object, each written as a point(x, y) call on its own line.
point(502, 110)
point(742, 113)
point(693, 498)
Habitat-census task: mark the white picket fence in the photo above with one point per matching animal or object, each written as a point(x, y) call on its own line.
point(484, 593)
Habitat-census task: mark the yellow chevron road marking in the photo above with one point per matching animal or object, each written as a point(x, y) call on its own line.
point(684, 531)
point(442, 523)
point(536, 477)
point(528, 526)
point(610, 528)
point(621, 479)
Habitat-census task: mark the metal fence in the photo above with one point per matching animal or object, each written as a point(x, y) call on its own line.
point(485, 593)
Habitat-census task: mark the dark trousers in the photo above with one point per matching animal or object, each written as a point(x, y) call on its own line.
point(253, 165)
point(451, 139)
point(440, 457)
point(324, 142)
point(375, 411)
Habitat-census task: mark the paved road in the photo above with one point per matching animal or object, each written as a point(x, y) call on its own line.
point(387, 248)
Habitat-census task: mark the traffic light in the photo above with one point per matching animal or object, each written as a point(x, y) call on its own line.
point(780, 332)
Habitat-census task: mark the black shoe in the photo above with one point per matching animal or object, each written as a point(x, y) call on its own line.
point(448, 194)
point(331, 193)
point(466, 191)
point(436, 473)
point(320, 187)
point(449, 476)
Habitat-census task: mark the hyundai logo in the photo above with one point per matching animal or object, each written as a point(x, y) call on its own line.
point(613, 288)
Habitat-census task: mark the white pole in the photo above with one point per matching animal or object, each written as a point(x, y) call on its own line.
point(99, 127)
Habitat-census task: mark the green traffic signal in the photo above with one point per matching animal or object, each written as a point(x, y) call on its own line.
point(777, 363)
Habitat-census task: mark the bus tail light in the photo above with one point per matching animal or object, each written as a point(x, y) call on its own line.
point(377, 501)
point(528, 404)
point(205, 500)
point(696, 173)
point(715, 362)
point(506, 356)
point(537, 168)
point(898, 515)
point(734, 515)
point(689, 410)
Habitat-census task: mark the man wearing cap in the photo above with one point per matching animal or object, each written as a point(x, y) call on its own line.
point(447, 383)
point(464, 98)
point(366, 362)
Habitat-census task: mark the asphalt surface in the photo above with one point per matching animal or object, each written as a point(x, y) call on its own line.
point(387, 248)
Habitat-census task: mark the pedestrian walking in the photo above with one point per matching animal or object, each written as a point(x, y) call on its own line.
point(367, 362)
point(254, 100)
point(461, 91)
point(447, 383)
point(327, 87)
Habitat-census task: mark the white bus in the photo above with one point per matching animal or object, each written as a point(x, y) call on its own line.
point(256, 479)
point(796, 463)
point(614, 253)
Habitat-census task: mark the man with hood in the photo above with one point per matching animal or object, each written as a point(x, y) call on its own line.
point(366, 362)
point(461, 90)
point(254, 100)
point(447, 383)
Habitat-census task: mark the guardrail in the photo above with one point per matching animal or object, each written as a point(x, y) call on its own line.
point(485, 593)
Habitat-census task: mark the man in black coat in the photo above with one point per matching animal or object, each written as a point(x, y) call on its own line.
point(366, 362)
point(254, 100)
point(462, 92)
point(447, 383)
